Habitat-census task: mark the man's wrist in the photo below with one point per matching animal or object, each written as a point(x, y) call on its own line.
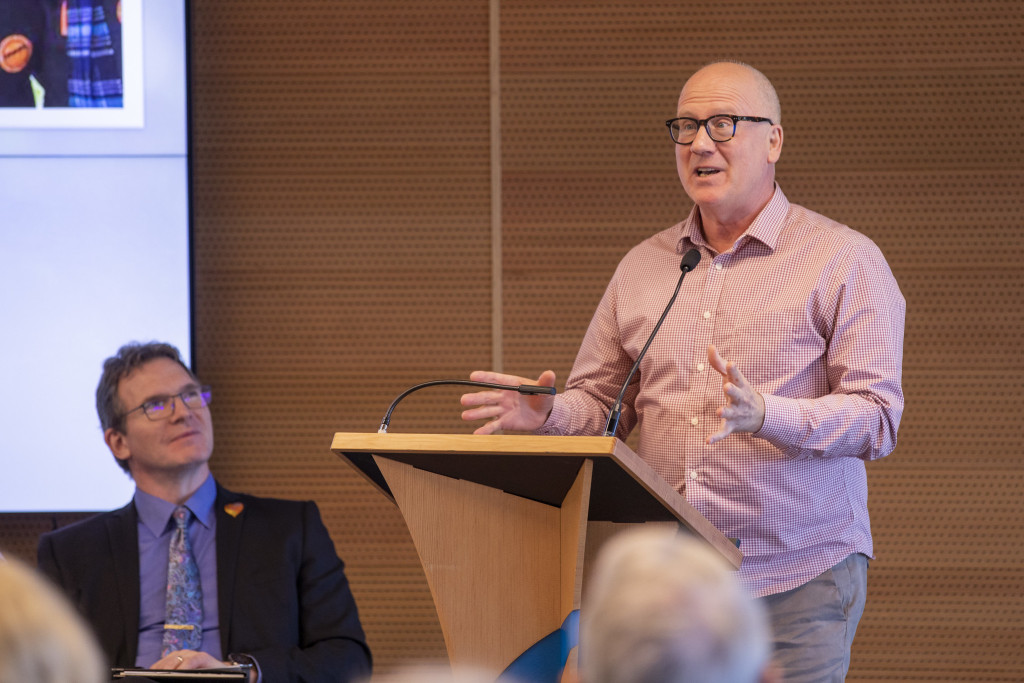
point(763, 411)
point(255, 676)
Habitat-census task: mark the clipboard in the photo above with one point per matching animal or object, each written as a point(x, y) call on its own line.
point(238, 672)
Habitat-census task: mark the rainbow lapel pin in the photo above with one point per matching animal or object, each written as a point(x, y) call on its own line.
point(234, 509)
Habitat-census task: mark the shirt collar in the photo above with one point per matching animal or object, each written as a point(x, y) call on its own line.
point(765, 228)
point(155, 513)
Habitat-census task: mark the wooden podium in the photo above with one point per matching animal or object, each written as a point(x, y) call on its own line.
point(501, 523)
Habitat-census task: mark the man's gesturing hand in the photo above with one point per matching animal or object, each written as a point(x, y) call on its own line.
point(744, 408)
point(508, 409)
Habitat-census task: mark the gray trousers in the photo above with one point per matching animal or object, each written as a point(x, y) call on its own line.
point(813, 624)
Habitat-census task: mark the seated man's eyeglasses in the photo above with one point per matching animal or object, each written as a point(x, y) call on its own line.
point(720, 127)
point(162, 407)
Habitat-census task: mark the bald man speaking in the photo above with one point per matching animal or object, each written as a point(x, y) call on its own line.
point(775, 376)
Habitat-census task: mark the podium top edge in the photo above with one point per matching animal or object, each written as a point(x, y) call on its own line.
point(469, 444)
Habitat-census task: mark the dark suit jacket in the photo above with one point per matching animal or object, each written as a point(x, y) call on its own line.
point(282, 592)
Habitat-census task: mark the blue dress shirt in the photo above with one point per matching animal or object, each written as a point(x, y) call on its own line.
point(155, 531)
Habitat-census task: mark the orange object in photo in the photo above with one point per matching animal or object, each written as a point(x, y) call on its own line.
point(15, 51)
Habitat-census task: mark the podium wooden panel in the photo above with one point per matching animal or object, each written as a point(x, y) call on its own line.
point(500, 524)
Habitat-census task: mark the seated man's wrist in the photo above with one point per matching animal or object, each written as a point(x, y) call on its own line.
point(247, 660)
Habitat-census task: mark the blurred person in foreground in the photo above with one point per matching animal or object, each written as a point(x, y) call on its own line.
point(662, 607)
point(42, 639)
point(437, 673)
point(190, 575)
point(775, 376)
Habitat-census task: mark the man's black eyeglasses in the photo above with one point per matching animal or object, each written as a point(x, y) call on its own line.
point(720, 127)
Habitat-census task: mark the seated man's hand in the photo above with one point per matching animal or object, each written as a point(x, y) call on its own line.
point(189, 659)
point(192, 659)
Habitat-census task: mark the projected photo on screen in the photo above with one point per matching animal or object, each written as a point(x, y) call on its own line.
point(94, 253)
point(71, 63)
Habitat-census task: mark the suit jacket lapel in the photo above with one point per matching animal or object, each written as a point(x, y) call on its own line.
point(123, 535)
point(229, 536)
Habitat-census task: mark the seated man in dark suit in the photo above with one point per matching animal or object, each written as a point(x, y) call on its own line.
point(190, 575)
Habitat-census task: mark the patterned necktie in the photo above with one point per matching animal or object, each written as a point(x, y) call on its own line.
point(184, 617)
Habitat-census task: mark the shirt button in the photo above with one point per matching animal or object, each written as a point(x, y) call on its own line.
point(694, 421)
point(693, 474)
point(718, 266)
point(707, 314)
point(700, 367)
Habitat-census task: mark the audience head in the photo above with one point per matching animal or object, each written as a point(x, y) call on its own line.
point(42, 639)
point(661, 607)
point(436, 673)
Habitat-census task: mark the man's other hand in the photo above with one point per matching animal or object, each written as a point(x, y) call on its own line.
point(508, 409)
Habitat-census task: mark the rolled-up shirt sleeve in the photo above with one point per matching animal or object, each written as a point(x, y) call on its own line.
point(860, 414)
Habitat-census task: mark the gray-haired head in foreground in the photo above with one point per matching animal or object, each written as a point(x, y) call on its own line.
point(664, 608)
point(42, 638)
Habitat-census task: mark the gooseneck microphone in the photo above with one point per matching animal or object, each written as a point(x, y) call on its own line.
point(689, 262)
point(529, 389)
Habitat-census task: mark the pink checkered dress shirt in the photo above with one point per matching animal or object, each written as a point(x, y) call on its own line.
point(812, 315)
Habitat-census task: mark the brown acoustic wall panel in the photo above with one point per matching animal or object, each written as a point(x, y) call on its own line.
point(343, 235)
point(342, 223)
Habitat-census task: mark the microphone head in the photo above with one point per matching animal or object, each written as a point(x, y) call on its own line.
point(690, 261)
